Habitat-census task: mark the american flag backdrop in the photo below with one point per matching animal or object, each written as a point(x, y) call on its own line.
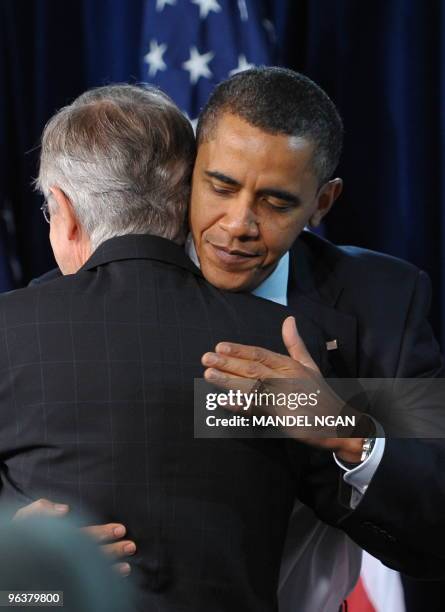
point(191, 45)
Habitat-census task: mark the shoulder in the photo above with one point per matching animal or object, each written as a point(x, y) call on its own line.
point(26, 305)
point(50, 275)
point(356, 268)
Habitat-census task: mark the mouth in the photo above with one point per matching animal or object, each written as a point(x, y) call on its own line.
point(231, 256)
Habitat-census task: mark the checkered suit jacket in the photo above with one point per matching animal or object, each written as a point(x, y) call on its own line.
point(96, 409)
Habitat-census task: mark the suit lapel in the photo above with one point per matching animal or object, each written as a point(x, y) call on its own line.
point(313, 292)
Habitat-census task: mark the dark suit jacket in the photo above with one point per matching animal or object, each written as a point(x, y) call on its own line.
point(96, 409)
point(376, 307)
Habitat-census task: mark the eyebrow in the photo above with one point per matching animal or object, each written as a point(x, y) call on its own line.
point(223, 178)
point(286, 196)
point(280, 194)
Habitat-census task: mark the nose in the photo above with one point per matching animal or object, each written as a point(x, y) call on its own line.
point(240, 220)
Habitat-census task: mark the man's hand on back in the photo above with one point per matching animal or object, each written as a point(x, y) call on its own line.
point(105, 535)
point(237, 363)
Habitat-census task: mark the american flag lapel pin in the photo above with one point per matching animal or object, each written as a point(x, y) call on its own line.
point(332, 345)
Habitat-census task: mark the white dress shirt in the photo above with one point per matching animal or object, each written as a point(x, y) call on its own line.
point(320, 564)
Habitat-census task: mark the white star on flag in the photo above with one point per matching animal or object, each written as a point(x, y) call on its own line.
point(243, 64)
point(197, 65)
point(243, 10)
point(205, 6)
point(160, 4)
point(154, 57)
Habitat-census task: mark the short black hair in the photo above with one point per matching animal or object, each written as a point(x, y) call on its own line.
point(279, 101)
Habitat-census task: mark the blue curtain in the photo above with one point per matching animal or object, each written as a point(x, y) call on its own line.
point(50, 52)
point(381, 61)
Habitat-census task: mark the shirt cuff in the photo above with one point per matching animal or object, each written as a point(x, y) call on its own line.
point(360, 477)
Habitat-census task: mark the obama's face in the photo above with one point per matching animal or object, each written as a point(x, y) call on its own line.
point(252, 194)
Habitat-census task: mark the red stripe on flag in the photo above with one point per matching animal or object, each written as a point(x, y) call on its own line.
point(358, 600)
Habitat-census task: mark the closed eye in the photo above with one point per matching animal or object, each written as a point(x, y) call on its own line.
point(279, 198)
point(221, 190)
point(280, 209)
point(283, 207)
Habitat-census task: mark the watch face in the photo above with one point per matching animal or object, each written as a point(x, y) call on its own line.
point(368, 445)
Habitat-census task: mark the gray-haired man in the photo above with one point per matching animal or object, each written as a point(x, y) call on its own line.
point(98, 366)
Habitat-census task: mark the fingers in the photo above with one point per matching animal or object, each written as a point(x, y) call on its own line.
point(295, 345)
point(123, 569)
point(256, 354)
point(41, 507)
point(104, 533)
point(117, 550)
point(234, 366)
point(100, 533)
point(229, 381)
point(114, 550)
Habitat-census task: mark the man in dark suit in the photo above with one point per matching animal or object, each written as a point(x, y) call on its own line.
point(97, 366)
point(268, 143)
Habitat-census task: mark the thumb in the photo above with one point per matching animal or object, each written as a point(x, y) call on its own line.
point(295, 345)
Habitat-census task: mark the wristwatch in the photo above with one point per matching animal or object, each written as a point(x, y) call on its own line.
point(368, 445)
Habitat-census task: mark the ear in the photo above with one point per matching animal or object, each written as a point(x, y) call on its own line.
point(65, 212)
point(325, 199)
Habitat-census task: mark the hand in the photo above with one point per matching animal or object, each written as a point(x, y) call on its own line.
point(41, 507)
point(239, 364)
point(105, 535)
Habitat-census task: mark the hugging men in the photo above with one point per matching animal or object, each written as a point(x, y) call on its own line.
point(98, 365)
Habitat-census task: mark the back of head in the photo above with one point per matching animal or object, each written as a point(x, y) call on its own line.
point(279, 101)
point(123, 155)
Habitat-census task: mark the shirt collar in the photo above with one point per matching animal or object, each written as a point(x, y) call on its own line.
point(274, 288)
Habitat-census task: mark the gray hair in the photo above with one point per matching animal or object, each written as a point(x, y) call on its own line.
point(123, 155)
